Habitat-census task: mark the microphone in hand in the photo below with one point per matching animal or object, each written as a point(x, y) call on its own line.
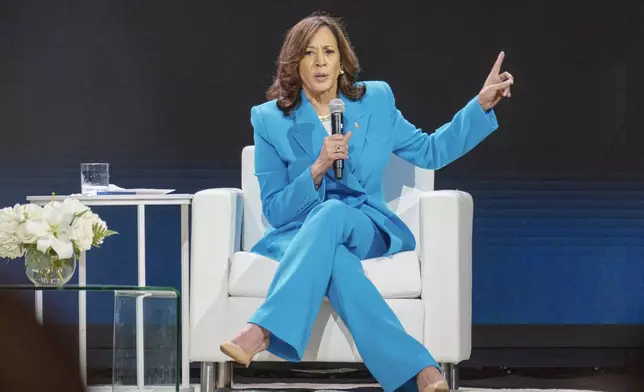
point(336, 108)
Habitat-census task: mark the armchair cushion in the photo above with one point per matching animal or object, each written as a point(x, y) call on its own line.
point(397, 276)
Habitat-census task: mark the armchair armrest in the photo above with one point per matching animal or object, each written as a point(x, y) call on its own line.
point(446, 268)
point(216, 235)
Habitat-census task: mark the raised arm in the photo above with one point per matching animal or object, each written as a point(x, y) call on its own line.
point(469, 126)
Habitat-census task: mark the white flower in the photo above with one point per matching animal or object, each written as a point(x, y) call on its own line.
point(62, 227)
point(81, 227)
point(25, 233)
point(73, 206)
point(82, 231)
point(10, 245)
point(26, 214)
point(54, 230)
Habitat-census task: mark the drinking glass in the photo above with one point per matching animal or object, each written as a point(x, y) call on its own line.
point(95, 177)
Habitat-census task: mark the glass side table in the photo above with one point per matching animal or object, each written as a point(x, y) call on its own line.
point(146, 335)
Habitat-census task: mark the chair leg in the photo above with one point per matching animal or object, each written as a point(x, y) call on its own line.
point(224, 375)
point(207, 377)
point(450, 372)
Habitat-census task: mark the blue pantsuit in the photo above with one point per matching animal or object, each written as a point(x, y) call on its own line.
point(344, 236)
point(319, 236)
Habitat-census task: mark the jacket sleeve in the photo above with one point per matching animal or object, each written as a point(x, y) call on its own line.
point(283, 201)
point(470, 126)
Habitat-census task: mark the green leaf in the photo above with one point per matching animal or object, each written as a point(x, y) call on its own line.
point(79, 214)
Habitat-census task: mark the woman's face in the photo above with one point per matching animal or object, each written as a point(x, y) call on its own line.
point(320, 66)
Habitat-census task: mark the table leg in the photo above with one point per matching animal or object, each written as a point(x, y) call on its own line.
point(39, 306)
point(82, 318)
point(185, 292)
point(140, 338)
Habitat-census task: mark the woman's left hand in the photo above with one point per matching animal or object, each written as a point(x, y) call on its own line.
point(497, 85)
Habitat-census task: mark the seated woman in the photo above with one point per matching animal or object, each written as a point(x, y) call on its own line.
point(321, 227)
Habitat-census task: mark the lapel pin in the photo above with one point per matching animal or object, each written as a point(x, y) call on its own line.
point(356, 124)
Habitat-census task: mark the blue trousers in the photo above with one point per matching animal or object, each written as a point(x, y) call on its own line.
point(325, 259)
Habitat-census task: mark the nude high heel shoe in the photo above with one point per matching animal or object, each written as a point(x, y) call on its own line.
point(438, 386)
point(239, 355)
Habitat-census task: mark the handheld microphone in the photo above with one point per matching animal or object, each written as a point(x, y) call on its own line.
point(336, 107)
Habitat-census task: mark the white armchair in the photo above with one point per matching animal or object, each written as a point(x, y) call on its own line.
point(429, 289)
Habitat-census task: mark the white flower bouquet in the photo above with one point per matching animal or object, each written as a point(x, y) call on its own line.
point(50, 237)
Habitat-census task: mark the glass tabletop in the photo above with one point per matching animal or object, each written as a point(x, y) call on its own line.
point(142, 289)
point(146, 333)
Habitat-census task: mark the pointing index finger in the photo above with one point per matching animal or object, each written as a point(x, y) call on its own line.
point(496, 68)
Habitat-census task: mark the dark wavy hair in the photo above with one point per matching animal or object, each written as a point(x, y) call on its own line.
point(287, 85)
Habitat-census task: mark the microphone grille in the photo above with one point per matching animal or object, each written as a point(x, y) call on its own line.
point(336, 106)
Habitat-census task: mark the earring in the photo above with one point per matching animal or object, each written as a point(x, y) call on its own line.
point(341, 71)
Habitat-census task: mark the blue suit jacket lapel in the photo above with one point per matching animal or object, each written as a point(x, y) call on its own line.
point(355, 120)
point(309, 133)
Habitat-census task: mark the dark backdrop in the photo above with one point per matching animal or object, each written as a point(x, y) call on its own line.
point(162, 90)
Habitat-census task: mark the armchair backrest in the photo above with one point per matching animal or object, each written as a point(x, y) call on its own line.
point(402, 184)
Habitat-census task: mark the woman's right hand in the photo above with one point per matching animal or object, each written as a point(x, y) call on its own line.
point(335, 147)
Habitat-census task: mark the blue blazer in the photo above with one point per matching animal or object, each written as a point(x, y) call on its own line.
point(287, 146)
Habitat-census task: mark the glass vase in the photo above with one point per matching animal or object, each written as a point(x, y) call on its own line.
point(46, 270)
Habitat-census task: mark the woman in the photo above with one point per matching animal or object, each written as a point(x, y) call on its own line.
point(321, 228)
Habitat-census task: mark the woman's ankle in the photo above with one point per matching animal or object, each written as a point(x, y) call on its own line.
point(428, 376)
point(263, 330)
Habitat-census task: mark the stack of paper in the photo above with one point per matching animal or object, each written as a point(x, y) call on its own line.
point(117, 190)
